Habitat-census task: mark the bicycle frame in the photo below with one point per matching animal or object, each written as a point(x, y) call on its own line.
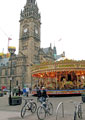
point(78, 110)
point(29, 105)
point(47, 109)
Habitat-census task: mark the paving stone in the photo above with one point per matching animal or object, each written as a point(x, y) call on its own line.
point(13, 112)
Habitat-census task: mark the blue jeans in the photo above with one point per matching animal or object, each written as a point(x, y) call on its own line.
point(42, 100)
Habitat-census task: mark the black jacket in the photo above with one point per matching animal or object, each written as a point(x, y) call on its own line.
point(44, 94)
point(38, 93)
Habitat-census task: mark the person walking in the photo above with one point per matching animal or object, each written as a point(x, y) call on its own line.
point(24, 91)
point(19, 91)
point(30, 90)
point(27, 91)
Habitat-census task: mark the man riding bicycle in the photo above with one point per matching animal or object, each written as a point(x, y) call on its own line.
point(42, 95)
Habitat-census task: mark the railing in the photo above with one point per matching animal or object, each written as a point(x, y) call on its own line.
point(61, 103)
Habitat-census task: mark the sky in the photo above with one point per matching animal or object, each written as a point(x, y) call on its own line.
point(63, 25)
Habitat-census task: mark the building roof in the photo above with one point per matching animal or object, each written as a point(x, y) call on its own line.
point(46, 50)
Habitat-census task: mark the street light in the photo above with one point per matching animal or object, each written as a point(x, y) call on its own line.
point(11, 51)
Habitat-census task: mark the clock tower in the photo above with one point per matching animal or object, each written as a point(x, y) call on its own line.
point(29, 38)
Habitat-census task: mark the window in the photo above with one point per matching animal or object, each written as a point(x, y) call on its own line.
point(0, 72)
point(6, 72)
point(17, 82)
point(24, 47)
point(36, 57)
point(12, 71)
point(36, 48)
point(13, 64)
point(5, 81)
point(0, 80)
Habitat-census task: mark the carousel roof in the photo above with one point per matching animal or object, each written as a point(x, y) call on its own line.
point(58, 66)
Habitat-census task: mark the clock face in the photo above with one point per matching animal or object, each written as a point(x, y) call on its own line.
point(36, 31)
point(25, 30)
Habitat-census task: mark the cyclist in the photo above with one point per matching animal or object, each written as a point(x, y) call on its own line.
point(43, 96)
point(38, 93)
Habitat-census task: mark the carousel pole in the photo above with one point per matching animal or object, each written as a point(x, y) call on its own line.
point(55, 75)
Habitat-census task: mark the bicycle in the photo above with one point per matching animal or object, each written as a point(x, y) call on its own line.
point(78, 110)
point(29, 105)
point(46, 108)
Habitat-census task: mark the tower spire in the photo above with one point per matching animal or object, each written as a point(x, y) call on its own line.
point(31, 1)
point(30, 10)
point(28, 1)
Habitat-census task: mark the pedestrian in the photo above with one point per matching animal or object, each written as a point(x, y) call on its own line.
point(24, 91)
point(16, 91)
point(30, 89)
point(19, 91)
point(27, 91)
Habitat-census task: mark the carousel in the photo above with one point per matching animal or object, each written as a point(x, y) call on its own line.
point(61, 77)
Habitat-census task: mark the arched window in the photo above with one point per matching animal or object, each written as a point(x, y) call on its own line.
point(17, 82)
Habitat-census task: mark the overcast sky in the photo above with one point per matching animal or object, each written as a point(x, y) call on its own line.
point(61, 19)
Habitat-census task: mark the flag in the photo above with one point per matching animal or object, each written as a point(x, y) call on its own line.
point(9, 38)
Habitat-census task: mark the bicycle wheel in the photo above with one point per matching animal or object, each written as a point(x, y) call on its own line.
point(50, 108)
point(79, 112)
point(75, 116)
point(41, 113)
point(33, 107)
point(23, 111)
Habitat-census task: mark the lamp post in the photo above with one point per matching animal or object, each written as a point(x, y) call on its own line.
point(11, 51)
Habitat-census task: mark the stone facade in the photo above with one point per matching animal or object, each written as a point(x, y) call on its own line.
point(30, 51)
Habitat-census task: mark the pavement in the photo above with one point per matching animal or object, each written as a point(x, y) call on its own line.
point(13, 112)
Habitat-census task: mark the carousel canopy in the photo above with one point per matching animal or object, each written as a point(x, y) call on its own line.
point(51, 69)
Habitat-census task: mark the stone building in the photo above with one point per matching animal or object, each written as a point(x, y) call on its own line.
point(17, 67)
